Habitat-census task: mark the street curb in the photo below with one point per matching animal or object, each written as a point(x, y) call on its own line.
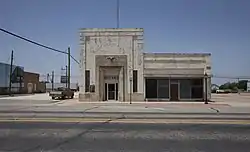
point(124, 120)
point(130, 113)
point(125, 117)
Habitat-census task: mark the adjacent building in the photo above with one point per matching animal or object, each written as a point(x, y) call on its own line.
point(115, 68)
point(21, 81)
point(31, 82)
point(16, 78)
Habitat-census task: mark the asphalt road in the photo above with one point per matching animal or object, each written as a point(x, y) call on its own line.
point(114, 137)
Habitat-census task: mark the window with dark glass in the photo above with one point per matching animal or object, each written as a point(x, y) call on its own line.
point(197, 88)
point(87, 81)
point(151, 88)
point(135, 81)
point(197, 82)
point(185, 89)
point(163, 88)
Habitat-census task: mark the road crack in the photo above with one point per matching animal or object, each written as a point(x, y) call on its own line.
point(217, 110)
point(85, 132)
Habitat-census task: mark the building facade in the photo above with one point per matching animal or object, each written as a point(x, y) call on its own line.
point(31, 82)
point(21, 81)
point(114, 67)
point(16, 78)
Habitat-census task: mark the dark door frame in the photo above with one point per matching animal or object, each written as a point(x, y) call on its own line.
point(176, 96)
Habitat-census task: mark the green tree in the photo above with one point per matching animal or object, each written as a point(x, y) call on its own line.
point(242, 84)
point(224, 86)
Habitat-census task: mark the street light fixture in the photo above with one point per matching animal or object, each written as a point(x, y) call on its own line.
point(205, 76)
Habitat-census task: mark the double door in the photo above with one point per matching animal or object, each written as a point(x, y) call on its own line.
point(111, 91)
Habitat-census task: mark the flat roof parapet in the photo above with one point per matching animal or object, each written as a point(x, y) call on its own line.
point(176, 54)
point(111, 29)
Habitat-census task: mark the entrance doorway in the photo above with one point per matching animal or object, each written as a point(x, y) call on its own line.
point(174, 92)
point(111, 91)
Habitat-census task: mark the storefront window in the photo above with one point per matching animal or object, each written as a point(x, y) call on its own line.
point(157, 88)
point(185, 89)
point(163, 88)
point(151, 88)
point(197, 88)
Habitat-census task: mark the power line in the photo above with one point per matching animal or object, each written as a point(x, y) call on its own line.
point(36, 43)
point(33, 42)
point(118, 13)
point(74, 59)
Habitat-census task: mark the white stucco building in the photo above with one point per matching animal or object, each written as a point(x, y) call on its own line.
point(114, 67)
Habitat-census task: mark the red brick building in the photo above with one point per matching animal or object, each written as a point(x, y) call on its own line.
point(31, 82)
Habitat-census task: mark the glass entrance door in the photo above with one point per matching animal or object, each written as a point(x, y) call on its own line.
point(111, 91)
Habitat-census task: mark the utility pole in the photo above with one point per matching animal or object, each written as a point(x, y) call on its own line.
point(66, 67)
point(69, 67)
point(118, 14)
point(11, 65)
point(66, 75)
point(52, 80)
point(206, 76)
point(238, 89)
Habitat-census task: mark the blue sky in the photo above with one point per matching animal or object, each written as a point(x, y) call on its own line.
point(220, 27)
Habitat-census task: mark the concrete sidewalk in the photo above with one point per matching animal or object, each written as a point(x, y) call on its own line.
point(131, 111)
point(40, 105)
point(220, 100)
